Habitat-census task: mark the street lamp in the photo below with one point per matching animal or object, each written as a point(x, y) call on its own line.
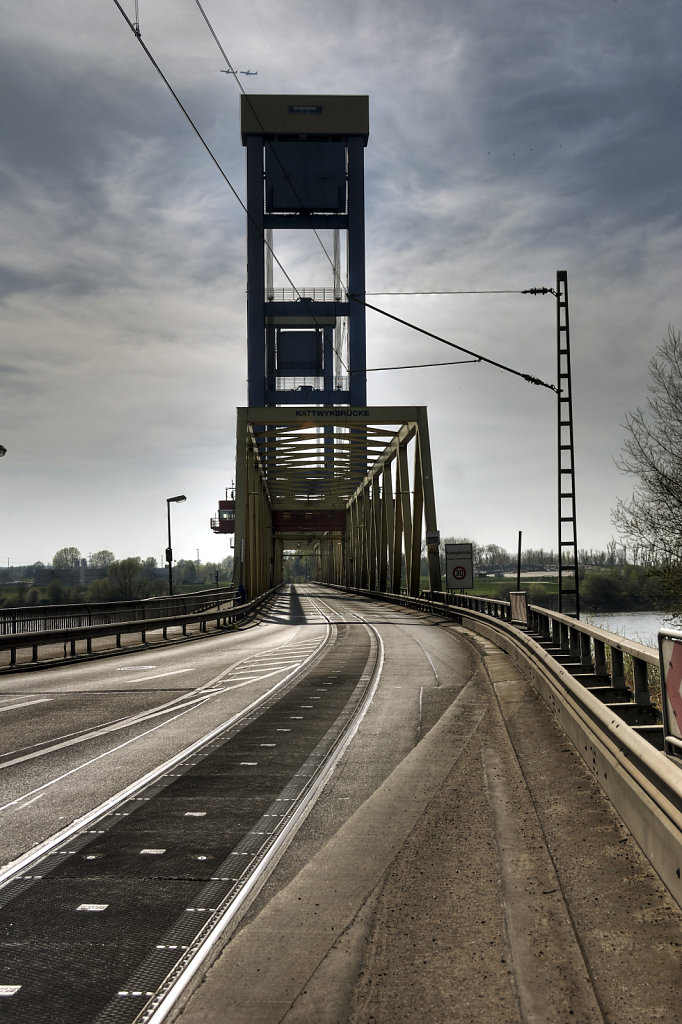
point(169, 549)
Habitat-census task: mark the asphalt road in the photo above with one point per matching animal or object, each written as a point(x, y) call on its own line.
point(72, 737)
point(461, 866)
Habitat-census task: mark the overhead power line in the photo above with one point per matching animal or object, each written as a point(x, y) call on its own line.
point(460, 348)
point(258, 120)
point(417, 366)
point(135, 29)
point(477, 291)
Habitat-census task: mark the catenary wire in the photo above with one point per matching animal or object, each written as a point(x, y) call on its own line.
point(134, 27)
point(460, 348)
point(417, 366)
point(274, 153)
point(477, 291)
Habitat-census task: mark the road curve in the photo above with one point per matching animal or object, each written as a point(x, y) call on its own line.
point(462, 867)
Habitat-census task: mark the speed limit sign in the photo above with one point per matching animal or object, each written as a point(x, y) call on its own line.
point(459, 566)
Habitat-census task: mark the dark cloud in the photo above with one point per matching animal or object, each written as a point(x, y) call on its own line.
point(506, 141)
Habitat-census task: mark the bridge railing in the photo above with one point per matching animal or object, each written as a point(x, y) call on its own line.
point(47, 644)
point(37, 618)
point(629, 668)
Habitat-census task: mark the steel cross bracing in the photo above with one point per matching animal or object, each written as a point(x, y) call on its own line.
point(353, 486)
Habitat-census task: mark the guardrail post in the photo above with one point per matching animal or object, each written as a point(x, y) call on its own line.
point(600, 666)
point(564, 638)
point(617, 670)
point(35, 653)
point(585, 650)
point(641, 682)
point(574, 643)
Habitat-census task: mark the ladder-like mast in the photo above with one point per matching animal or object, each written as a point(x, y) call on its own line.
point(569, 589)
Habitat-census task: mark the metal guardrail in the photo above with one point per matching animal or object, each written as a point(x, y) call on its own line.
point(595, 651)
point(623, 674)
point(70, 636)
point(35, 618)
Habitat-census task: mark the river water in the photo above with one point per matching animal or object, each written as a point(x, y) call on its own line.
point(642, 627)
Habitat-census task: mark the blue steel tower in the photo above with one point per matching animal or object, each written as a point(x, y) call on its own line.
point(305, 176)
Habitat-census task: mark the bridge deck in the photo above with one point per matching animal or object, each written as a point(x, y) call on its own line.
point(487, 878)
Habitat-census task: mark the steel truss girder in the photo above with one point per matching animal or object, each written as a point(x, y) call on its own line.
point(334, 459)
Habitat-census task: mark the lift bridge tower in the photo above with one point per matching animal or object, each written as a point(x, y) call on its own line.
point(305, 178)
point(318, 472)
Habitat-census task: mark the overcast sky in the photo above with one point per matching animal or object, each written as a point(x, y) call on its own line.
point(507, 141)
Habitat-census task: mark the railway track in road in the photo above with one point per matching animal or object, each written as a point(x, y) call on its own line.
point(108, 922)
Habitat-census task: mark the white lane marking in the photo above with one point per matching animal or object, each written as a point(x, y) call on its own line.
point(127, 723)
point(27, 703)
point(35, 798)
point(159, 675)
point(184, 709)
point(200, 696)
point(91, 761)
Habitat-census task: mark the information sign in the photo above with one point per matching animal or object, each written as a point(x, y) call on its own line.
point(459, 566)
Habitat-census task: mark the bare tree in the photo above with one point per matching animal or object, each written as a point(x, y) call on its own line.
point(102, 559)
point(66, 558)
point(652, 518)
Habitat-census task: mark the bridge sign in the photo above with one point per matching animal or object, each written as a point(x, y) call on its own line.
point(459, 566)
point(670, 653)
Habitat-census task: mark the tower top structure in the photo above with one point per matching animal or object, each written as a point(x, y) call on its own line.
point(298, 116)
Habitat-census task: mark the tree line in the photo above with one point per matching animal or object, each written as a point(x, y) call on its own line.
point(103, 578)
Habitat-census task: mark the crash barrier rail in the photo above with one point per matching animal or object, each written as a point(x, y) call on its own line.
point(70, 636)
point(616, 730)
point(603, 658)
point(36, 618)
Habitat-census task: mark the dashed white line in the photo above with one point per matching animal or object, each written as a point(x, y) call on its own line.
point(27, 703)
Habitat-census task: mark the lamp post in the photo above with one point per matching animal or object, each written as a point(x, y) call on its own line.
point(169, 549)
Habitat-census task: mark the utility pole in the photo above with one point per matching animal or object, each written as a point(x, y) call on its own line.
point(569, 590)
